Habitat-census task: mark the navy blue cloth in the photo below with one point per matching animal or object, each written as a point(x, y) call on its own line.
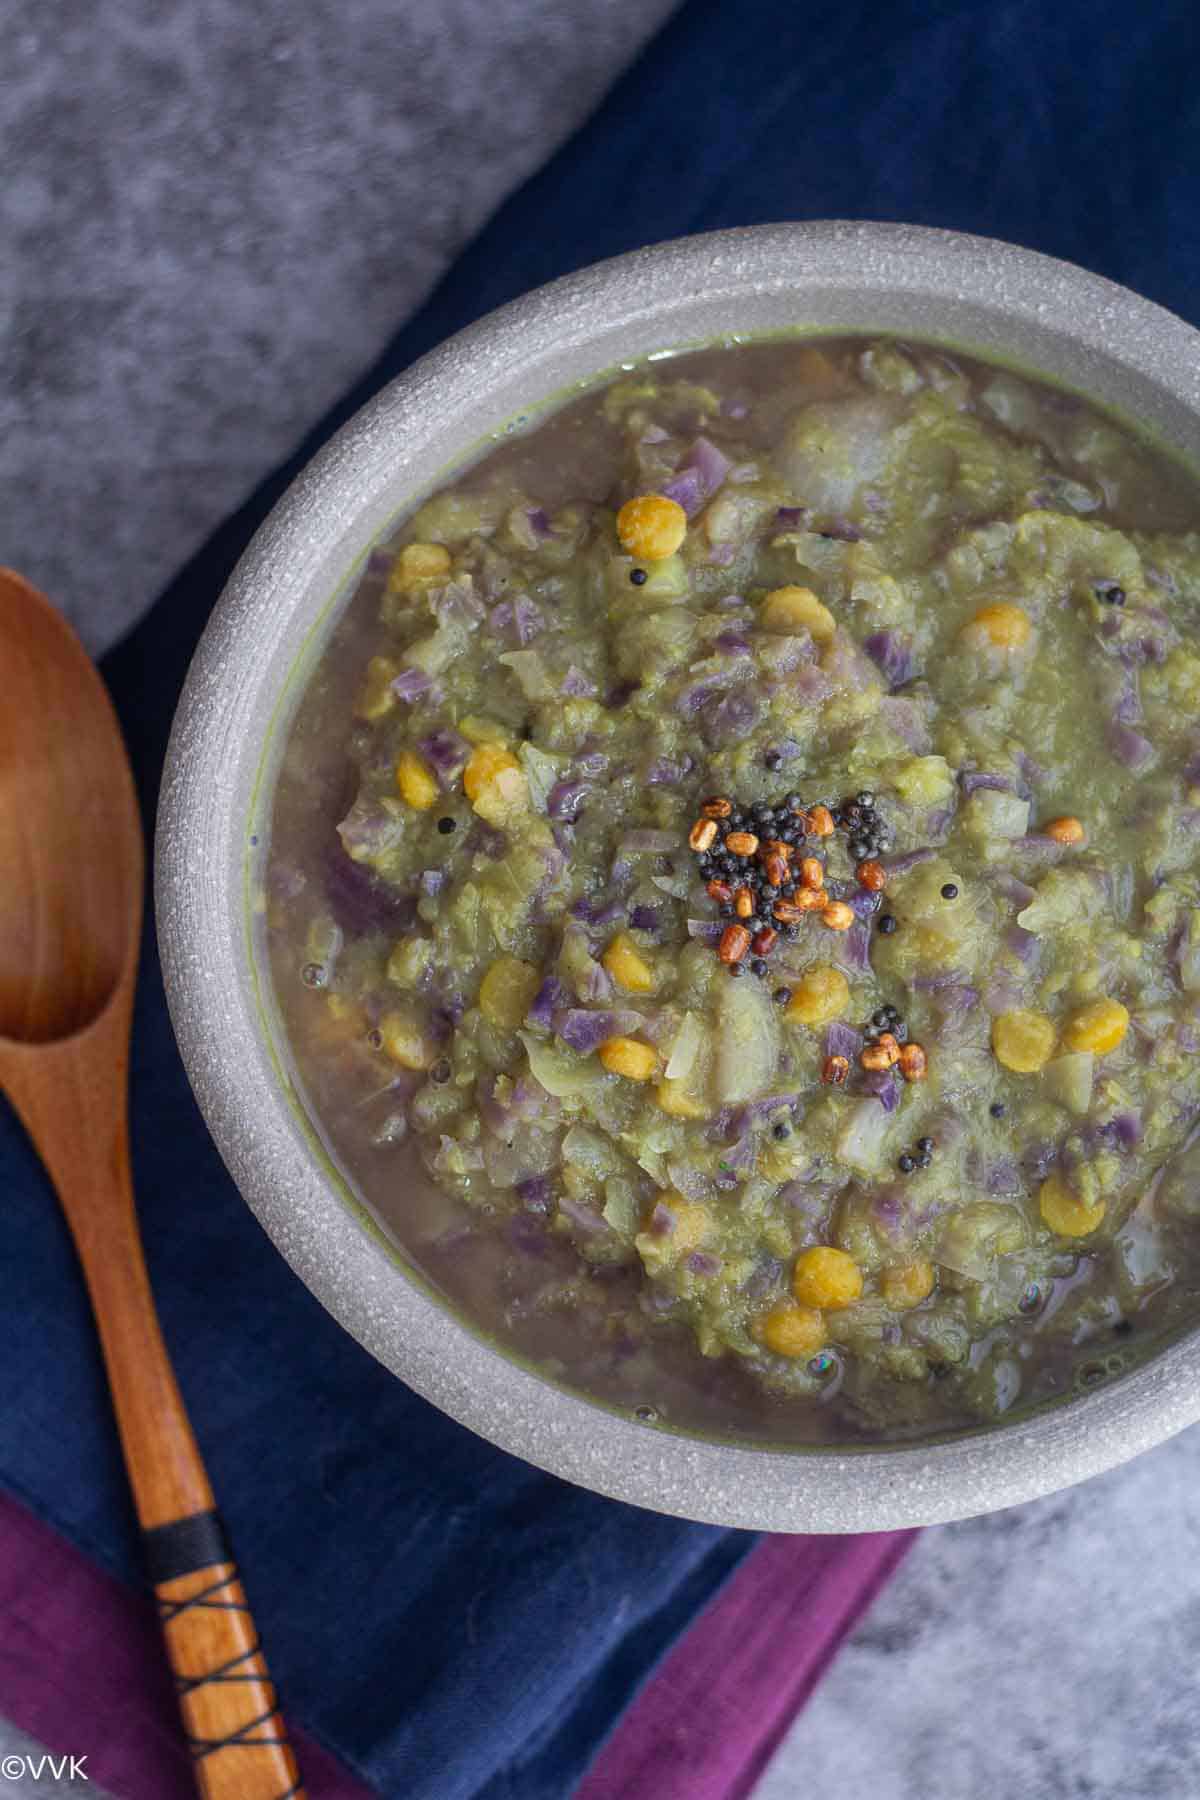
point(455, 1625)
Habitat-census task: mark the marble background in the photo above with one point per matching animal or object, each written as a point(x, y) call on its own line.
point(210, 220)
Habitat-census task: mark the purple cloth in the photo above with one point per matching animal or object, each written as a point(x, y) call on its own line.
point(712, 1715)
point(82, 1670)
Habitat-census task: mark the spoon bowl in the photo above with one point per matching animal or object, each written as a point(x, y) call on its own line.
point(70, 838)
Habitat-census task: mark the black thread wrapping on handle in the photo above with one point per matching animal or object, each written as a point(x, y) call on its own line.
point(182, 1548)
point(185, 1545)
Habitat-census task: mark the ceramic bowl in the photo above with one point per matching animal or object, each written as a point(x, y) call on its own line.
point(289, 587)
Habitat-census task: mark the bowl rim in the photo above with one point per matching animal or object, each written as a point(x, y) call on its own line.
point(293, 575)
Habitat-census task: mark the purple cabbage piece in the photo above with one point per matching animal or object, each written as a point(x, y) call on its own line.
point(1038, 852)
point(686, 487)
point(764, 1278)
point(1122, 1132)
point(596, 909)
point(445, 751)
point(740, 1156)
point(1128, 707)
point(566, 800)
point(904, 860)
point(712, 464)
point(362, 901)
point(932, 984)
point(732, 642)
point(693, 699)
point(539, 521)
point(433, 881)
point(486, 840)
point(1129, 747)
point(862, 903)
point(791, 518)
point(665, 773)
point(722, 554)
point(1010, 887)
point(595, 984)
point(888, 1209)
point(740, 1119)
point(1003, 1176)
point(700, 1262)
point(591, 762)
point(546, 1002)
point(853, 947)
point(585, 1031)
point(577, 685)
point(644, 918)
point(589, 1222)
point(527, 619)
point(733, 717)
point(410, 684)
point(842, 1040)
point(527, 1104)
point(457, 603)
point(841, 529)
point(907, 719)
point(698, 477)
point(707, 931)
point(662, 1220)
point(1003, 992)
point(893, 655)
point(884, 1085)
point(954, 1005)
point(1022, 943)
point(971, 780)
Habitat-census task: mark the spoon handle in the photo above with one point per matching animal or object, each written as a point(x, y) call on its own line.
point(71, 1098)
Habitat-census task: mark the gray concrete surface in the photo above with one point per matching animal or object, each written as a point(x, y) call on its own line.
point(1045, 1653)
point(211, 217)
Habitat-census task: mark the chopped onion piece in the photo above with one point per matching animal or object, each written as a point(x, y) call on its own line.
point(686, 1048)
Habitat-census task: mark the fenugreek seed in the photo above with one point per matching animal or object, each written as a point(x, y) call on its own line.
point(812, 872)
point(820, 821)
point(875, 1057)
point(716, 808)
point(735, 941)
point(764, 941)
point(872, 875)
point(719, 891)
point(834, 1070)
point(743, 903)
point(838, 916)
point(812, 899)
point(775, 869)
point(890, 1046)
point(741, 843)
point(777, 847)
point(702, 834)
point(914, 1064)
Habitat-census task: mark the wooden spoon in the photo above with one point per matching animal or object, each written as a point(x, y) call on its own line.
point(70, 919)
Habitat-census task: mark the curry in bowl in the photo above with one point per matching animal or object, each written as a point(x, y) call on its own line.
point(732, 892)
